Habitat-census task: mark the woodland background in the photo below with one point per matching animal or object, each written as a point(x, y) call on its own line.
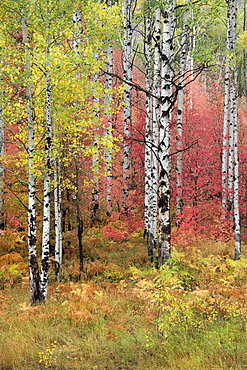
point(80, 192)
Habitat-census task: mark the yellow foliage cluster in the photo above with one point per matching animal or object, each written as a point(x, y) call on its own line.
point(243, 40)
point(194, 292)
point(12, 269)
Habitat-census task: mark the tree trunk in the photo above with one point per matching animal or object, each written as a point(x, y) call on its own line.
point(127, 71)
point(58, 217)
point(78, 214)
point(108, 128)
point(234, 122)
point(155, 128)
point(47, 180)
point(180, 104)
point(225, 144)
point(236, 226)
point(230, 162)
point(34, 277)
point(148, 202)
point(95, 189)
point(164, 146)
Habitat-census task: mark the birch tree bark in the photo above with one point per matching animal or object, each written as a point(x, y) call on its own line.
point(95, 190)
point(108, 129)
point(78, 212)
point(148, 203)
point(179, 131)
point(47, 179)
point(225, 139)
point(77, 41)
point(236, 215)
point(155, 123)
point(164, 146)
point(34, 277)
point(232, 4)
point(57, 216)
point(230, 161)
point(127, 71)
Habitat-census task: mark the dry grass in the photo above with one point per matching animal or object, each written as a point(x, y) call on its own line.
point(112, 318)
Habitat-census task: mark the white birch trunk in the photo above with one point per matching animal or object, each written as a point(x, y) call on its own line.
point(47, 180)
point(78, 212)
point(225, 144)
point(234, 118)
point(95, 159)
point(57, 217)
point(180, 104)
point(236, 226)
point(236, 215)
point(95, 189)
point(108, 128)
point(164, 146)
point(78, 33)
point(148, 201)
point(230, 149)
point(230, 161)
point(32, 253)
point(127, 70)
point(190, 57)
point(156, 120)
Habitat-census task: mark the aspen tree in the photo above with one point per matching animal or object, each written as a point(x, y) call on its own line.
point(78, 211)
point(47, 175)
point(148, 133)
point(225, 139)
point(108, 128)
point(164, 145)
point(95, 159)
point(230, 161)
point(179, 127)
point(234, 117)
point(127, 71)
point(156, 119)
point(32, 254)
point(57, 213)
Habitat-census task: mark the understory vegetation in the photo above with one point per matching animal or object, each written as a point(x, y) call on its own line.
point(123, 313)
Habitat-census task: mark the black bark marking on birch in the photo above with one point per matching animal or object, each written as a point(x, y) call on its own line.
point(166, 229)
point(163, 203)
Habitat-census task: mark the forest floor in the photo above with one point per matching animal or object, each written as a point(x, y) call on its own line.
point(123, 313)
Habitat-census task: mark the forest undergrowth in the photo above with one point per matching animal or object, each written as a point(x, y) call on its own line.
point(123, 313)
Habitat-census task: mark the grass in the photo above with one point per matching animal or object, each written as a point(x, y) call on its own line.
point(124, 314)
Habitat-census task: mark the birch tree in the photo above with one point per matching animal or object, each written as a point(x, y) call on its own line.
point(230, 161)
point(108, 128)
point(95, 159)
point(155, 126)
point(47, 175)
point(179, 126)
point(128, 6)
point(57, 214)
point(149, 135)
point(32, 253)
point(164, 145)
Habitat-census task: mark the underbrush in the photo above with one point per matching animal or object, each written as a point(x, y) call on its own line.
point(124, 314)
